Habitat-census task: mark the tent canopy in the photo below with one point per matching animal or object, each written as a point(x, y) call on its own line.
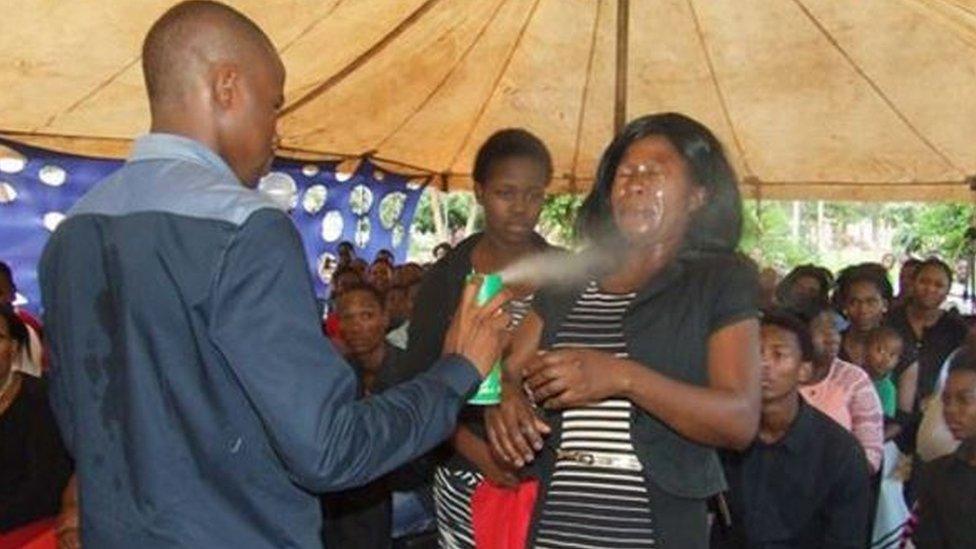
point(867, 100)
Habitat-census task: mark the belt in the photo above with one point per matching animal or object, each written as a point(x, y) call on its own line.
point(601, 459)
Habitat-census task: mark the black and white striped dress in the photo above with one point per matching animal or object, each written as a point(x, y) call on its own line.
point(595, 506)
point(453, 488)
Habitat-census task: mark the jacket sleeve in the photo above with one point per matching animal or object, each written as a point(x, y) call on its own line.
point(264, 321)
point(50, 271)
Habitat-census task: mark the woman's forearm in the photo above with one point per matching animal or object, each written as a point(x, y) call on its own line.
point(714, 417)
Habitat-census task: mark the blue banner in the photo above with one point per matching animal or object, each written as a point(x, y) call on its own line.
point(371, 208)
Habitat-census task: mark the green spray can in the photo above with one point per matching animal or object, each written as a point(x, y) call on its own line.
point(490, 391)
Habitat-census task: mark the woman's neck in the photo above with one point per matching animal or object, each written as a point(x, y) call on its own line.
point(922, 316)
point(777, 418)
point(821, 369)
point(491, 254)
point(638, 266)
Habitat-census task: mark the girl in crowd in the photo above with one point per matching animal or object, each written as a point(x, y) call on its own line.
point(843, 390)
point(34, 466)
point(863, 294)
point(652, 363)
point(511, 172)
point(926, 328)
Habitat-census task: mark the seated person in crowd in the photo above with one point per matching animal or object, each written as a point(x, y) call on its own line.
point(380, 274)
point(34, 466)
point(947, 486)
point(30, 362)
point(842, 390)
point(364, 517)
point(883, 352)
point(802, 483)
point(396, 307)
point(805, 288)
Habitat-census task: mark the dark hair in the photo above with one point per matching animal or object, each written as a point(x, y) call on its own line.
point(815, 311)
point(791, 323)
point(911, 262)
point(509, 143)
point(369, 289)
point(716, 226)
point(884, 332)
point(938, 263)
point(965, 359)
point(820, 274)
point(6, 272)
point(18, 330)
point(872, 273)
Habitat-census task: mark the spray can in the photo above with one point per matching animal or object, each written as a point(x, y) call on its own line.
point(490, 391)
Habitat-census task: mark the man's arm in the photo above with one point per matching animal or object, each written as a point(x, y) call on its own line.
point(264, 321)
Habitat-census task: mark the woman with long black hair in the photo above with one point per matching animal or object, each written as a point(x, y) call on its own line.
point(650, 364)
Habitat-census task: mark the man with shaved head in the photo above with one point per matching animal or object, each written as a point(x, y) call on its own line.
point(190, 377)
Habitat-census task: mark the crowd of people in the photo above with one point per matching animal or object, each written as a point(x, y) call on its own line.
point(670, 395)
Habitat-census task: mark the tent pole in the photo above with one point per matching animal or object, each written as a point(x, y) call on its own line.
point(620, 99)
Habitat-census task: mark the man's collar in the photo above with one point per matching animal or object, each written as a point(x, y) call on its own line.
point(166, 146)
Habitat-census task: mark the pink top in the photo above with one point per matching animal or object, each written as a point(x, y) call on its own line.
point(849, 398)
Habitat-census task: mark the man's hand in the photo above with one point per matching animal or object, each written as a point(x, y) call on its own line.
point(479, 333)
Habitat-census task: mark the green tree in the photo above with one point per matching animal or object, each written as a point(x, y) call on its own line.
point(767, 236)
point(938, 229)
point(557, 222)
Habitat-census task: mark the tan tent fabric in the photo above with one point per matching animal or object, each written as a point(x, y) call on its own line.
point(832, 99)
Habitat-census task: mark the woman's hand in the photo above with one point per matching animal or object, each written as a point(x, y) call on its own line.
point(514, 430)
point(573, 377)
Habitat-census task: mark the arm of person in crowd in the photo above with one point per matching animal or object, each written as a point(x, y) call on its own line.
point(847, 508)
point(67, 526)
point(867, 422)
point(264, 321)
point(908, 388)
point(891, 430)
point(725, 413)
point(515, 430)
point(479, 453)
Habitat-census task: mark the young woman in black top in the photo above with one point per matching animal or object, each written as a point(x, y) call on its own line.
point(928, 330)
point(511, 172)
point(34, 466)
point(681, 361)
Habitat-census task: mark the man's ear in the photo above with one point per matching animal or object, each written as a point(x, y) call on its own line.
point(698, 198)
point(226, 85)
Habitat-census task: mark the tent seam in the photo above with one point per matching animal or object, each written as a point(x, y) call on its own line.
point(877, 89)
point(723, 103)
point(494, 87)
point(447, 76)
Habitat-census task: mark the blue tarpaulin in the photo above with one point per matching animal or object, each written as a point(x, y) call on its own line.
point(372, 208)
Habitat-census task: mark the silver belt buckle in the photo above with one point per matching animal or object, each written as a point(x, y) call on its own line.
point(597, 459)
